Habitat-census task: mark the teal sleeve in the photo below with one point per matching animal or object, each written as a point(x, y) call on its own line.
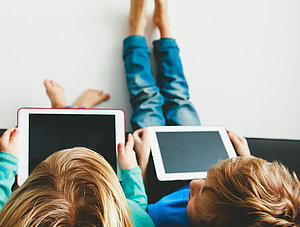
point(133, 186)
point(8, 170)
point(139, 216)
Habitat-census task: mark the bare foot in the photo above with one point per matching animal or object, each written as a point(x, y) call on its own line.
point(161, 19)
point(56, 94)
point(90, 98)
point(137, 17)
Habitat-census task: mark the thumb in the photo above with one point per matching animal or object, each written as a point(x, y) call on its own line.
point(145, 135)
point(234, 140)
point(5, 138)
point(14, 136)
point(130, 142)
point(136, 136)
point(120, 148)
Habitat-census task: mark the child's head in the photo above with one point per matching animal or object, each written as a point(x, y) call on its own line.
point(246, 191)
point(73, 187)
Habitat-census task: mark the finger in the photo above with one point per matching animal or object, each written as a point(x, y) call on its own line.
point(120, 148)
point(241, 139)
point(145, 134)
point(237, 136)
point(139, 131)
point(130, 142)
point(232, 133)
point(100, 92)
point(104, 97)
point(136, 135)
point(6, 135)
point(14, 136)
point(244, 141)
point(236, 142)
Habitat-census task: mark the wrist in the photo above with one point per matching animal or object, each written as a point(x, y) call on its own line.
point(9, 155)
point(136, 169)
point(127, 167)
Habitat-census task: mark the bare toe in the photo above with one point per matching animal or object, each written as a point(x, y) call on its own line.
point(47, 83)
point(90, 98)
point(55, 93)
point(105, 97)
point(51, 82)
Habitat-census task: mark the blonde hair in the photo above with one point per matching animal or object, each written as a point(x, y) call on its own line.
point(72, 187)
point(250, 192)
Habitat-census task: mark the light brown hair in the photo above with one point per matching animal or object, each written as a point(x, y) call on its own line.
point(72, 187)
point(249, 191)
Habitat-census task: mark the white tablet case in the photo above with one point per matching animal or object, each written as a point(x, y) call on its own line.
point(157, 158)
point(23, 125)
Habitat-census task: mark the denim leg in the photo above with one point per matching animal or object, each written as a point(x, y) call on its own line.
point(145, 96)
point(178, 110)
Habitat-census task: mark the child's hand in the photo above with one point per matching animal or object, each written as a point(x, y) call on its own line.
point(9, 141)
point(142, 147)
point(126, 154)
point(240, 144)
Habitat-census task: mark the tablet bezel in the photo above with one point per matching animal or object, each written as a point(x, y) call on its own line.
point(23, 125)
point(157, 158)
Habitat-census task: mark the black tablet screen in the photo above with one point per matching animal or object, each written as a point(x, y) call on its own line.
point(190, 151)
point(49, 133)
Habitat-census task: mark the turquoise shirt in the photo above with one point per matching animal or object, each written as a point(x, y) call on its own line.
point(134, 190)
point(132, 185)
point(8, 170)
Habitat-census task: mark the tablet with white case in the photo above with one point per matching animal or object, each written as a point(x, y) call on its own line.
point(44, 131)
point(187, 152)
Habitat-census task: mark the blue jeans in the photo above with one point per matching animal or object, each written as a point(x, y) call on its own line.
point(165, 102)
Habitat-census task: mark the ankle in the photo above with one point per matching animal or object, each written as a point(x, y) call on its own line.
point(161, 20)
point(137, 27)
point(165, 33)
point(137, 31)
point(163, 26)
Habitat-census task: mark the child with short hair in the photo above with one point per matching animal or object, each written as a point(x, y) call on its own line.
point(245, 191)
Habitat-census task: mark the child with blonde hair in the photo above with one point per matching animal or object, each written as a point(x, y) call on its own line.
point(72, 187)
